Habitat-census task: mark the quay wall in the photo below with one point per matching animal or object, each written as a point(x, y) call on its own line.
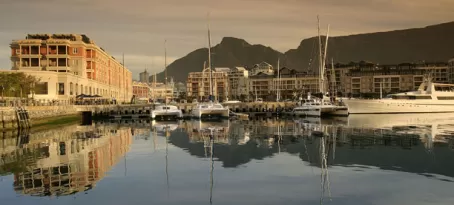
point(39, 113)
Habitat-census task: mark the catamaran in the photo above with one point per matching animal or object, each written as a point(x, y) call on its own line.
point(429, 98)
point(210, 109)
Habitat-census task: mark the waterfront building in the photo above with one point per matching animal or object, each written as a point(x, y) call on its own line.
point(367, 79)
point(290, 85)
point(237, 82)
point(144, 77)
point(141, 90)
point(69, 65)
point(198, 84)
point(262, 67)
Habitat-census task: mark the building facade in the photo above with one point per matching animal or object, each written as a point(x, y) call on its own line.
point(198, 85)
point(290, 84)
point(141, 90)
point(237, 82)
point(365, 79)
point(69, 65)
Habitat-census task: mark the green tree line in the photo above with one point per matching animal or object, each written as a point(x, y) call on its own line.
point(17, 84)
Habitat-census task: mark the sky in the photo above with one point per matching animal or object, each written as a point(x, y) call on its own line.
point(138, 28)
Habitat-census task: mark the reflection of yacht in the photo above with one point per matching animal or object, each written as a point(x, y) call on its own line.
point(429, 98)
point(209, 109)
point(166, 111)
point(200, 126)
point(164, 126)
point(390, 120)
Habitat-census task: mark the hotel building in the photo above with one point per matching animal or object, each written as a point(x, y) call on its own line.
point(69, 65)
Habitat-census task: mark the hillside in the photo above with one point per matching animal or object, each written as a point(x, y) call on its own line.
point(230, 52)
point(431, 43)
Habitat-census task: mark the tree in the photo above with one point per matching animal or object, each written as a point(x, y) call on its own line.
point(14, 84)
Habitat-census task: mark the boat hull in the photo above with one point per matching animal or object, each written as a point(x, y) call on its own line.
point(395, 107)
point(159, 114)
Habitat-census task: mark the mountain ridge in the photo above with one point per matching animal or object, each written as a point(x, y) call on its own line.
point(429, 43)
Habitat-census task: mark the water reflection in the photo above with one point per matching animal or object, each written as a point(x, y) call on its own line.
point(64, 161)
point(75, 158)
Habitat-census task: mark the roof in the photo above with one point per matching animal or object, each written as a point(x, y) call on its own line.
point(222, 69)
point(240, 68)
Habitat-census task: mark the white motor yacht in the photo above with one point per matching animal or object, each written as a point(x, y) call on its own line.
point(209, 109)
point(429, 98)
point(165, 111)
point(319, 107)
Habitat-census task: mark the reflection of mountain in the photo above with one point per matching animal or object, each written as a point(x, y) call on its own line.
point(73, 160)
point(384, 149)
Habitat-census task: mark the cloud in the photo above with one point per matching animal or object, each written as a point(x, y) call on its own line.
point(139, 27)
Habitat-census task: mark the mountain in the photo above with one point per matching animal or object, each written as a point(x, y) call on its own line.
point(230, 52)
point(431, 43)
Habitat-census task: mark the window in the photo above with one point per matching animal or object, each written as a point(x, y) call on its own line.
point(75, 50)
point(17, 51)
point(41, 88)
point(61, 88)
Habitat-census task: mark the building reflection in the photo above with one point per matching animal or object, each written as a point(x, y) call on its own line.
point(65, 161)
point(391, 147)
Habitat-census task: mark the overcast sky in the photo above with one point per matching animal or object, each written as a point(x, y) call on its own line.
point(138, 27)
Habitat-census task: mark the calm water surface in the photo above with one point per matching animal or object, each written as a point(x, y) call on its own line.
point(357, 160)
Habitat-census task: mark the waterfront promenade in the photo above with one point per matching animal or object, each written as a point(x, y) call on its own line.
point(40, 113)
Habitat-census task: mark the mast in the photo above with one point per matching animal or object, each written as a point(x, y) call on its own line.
point(278, 82)
point(333, 79)
point(320, 56)
point(324, 59)
point(209, 57)
point(165, 71)
point(123, 65)
point(212, 166)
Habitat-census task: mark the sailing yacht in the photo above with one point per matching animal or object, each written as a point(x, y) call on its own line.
point(166, 110)
point(209, 109)
point(323, 106)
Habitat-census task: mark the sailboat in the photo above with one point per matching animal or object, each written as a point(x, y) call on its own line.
point(210, 108)
point(324, 106)
point(165, 111)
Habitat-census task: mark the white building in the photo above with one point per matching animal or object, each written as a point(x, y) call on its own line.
point(68, 65)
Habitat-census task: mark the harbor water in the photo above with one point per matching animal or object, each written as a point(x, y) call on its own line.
point(363, 159)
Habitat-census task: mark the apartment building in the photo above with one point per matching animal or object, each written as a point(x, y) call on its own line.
point(69, 65)
point(262, 67)
point(290, 84)
point(366, 78)
point(237, 82)
point(199, 87)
